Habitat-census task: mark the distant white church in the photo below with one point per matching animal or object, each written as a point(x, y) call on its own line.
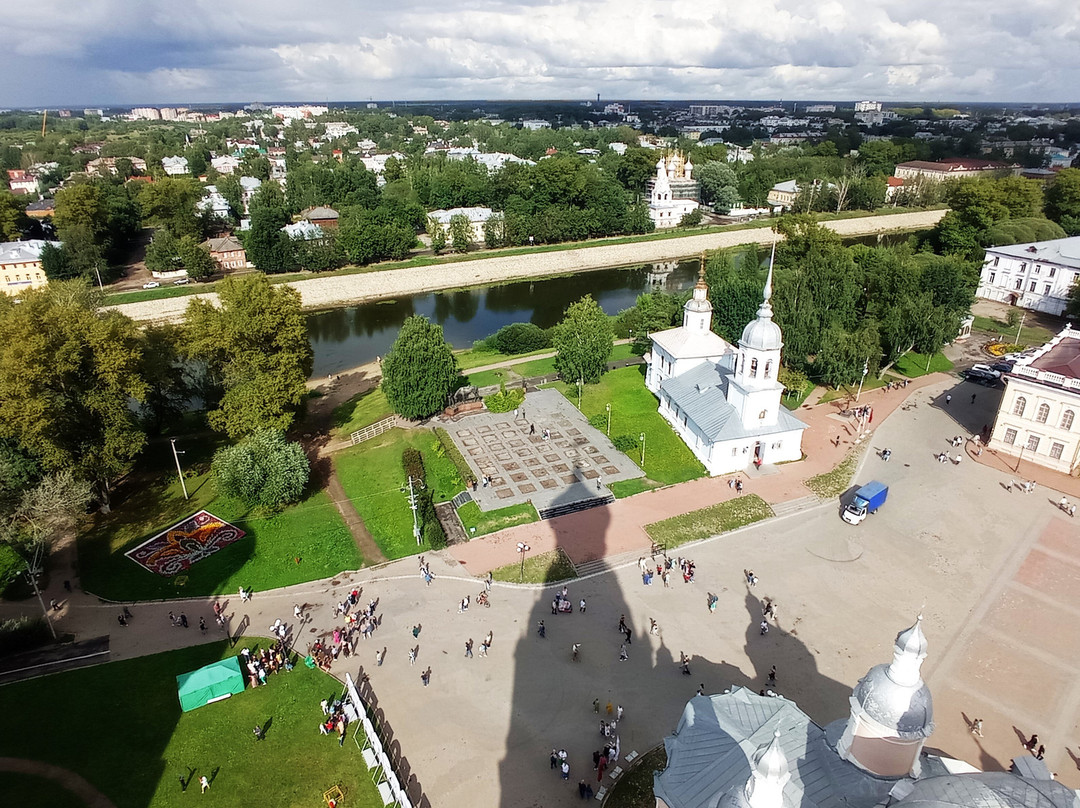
point(724, 402)
point(673, 192)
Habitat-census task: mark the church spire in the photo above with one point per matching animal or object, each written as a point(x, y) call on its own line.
point(765, 311)
point(765, 788)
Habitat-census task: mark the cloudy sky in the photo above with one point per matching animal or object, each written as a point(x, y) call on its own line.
point(101, 52)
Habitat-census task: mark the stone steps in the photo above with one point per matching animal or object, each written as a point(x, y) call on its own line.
point(796, 505)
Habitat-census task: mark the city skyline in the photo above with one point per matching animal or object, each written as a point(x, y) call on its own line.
point(111, 53)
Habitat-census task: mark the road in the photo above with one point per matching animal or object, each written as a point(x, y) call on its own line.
point(339, 290)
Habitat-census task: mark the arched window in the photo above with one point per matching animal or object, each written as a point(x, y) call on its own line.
point(1067, 419)
point(753, 368)
point(1018, 407)
point(768, 368)
point(1043, 413)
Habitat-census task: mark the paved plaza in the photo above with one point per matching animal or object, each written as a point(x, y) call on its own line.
point(545, 453)
point(994, 573)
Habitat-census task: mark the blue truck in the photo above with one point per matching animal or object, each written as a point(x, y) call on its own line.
point(867, 499)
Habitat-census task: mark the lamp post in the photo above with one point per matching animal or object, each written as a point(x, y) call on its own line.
point(609, 420)
point(579, 383)
point(179, 471)
point(865, 370)
point(523, 548)
point(415, 508)
point(642, 439)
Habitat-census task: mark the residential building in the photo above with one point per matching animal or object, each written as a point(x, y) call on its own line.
point(226, 164)
point(673, 192)
point(248, 187)
point(950, 169)
point(22, 182)
point(20, 265)
point(107, 165)
point(782, 195)
point(741, 749)
point(146, 114)
point(876, 118)
point(1036, 418)
point(820, 108)
point(336, 129)
point(710, 110)
point(322, 216)
point(867, 106)
point(42, 209)
point(723, 401)
point(228, 252)
point(477, 217)
point(1035, 275)
point(303, 229)
point(175, 166)
point(214, 202)
point(535, 123)
point(294, 113)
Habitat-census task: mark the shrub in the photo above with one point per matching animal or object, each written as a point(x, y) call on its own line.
point(434, 534)
point(413, 463)
point(486, 345)
point(22, 634)
point(505, 400)
point(625, 443)
point(264, 469)
point(599, 421)
point(455, 456)
point(518, 338)
point(692, 219)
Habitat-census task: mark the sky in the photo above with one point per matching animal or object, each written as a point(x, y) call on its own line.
point(135, 52)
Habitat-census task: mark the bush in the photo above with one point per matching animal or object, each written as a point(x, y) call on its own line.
point(625, 443)
point(22, 634)
point(413, 463)
point(599, 421)
point(486, 345)
point(263, 469)
point(519, 338)
point(11, 564)
point(692, 219)
point(505, 400)
point(434, 534)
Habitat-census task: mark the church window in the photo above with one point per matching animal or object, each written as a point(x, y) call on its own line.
point(1018, 407)
point(753, 368)
point(1043, 413)
point(768, 368)
point(1010, 436)
point(1067, 419)
point(1056, 449)
point(1033, 443)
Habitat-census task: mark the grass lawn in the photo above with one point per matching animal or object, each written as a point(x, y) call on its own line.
point(537, 367)
point(710, 521)
point(481, 523)
point(871, 383)
point(25, 789)
point(1029, 334)
point(471, 358)
point(913, 365)
point(373, 477)
point(834, 483)
point(794, 402)
point(125, 733)
point(635, 788)
point(627, 488)
point(361, 410)
point(542, 568)
point(633, 411)
point(486, 378)
point(265, 558)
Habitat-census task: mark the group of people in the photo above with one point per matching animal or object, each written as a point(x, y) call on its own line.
point(1067, 506)
point(896, 385)
point(562, 603)
point(425, 572)
point(262, 663)
point(736, 483)
point(1025, 486)
point(945, 457)
point(334, 719)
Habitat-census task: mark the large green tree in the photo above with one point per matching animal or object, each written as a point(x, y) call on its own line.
point(583, 340)
point(69, 372)
point(719, 185)
point(262, 470)
point(1063, 200)
point(420, 370)
point(12, 217)
point(268, 246)
point(255, 346)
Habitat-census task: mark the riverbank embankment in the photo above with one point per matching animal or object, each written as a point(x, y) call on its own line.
point(340, 290)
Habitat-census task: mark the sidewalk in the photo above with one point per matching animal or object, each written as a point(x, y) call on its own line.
point(619, 528)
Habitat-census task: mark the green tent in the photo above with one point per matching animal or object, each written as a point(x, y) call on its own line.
point(217, 681)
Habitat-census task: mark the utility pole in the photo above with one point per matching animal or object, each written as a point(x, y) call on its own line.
point(523, 548)
point(179, 471)
point(1021, 327)
point(643, 451)
point(414, 507)
point(865, 370)
point(609, 420)
point(33, 570)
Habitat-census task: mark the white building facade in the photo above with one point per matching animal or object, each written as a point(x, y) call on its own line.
point(722, 401)
point(1037, 416)
point(1035, 275)
point(673, 193)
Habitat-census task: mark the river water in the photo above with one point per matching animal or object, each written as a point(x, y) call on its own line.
point(346, 337)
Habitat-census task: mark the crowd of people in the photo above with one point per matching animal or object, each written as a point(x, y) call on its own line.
point(262, 662)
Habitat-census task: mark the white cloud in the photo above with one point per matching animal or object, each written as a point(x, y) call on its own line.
point(115, 51)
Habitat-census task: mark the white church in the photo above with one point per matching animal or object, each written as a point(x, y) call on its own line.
point(724, 402)
point(673, 192)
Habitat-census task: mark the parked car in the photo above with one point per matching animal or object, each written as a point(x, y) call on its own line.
point(986, 369)
point(980, 376)
point(181, 281)
point(151, 285)
point(1003, 366)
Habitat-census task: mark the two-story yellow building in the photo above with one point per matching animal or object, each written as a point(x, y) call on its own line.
point(20, 265)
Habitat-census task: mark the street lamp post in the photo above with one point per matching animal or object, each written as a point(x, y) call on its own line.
point(865, 370)
point(642, 439)
point(580, 382)
point(179, 471)
point(523, 548)
point(413, 504)
point(609, 420)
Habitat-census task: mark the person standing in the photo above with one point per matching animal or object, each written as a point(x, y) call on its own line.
point(948, 399)
point(596, 706)
point(976, 727)
point(258, 732)
point(204, 784)
point(581, 606)
point(468, 648)
point(487, 639)
point(297, 612)
point(565, 768)
point(379, 656)
point(183, 620)
point(554, 757)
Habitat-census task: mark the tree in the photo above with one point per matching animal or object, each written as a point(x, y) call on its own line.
point(420, 370)
point(460, 232)
point(68, 374)
point(495, 230)
point(172, 203)
point(57, 264)
point(1063, 200)
point(635, 169)
point(12, 217)
point(438, 235)
point(263, 470)
point(196, 259)
point(583, 340)
point(715, 178)
point(366, 236)
point(692, 219)
point(256, 346)
point(168, 386)
point(268, 246)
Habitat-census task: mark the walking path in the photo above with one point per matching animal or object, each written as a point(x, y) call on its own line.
point(339, 290)
point(65, 777)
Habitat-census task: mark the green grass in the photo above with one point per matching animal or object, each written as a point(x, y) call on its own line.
point(542, 568)
point(25, 789)
point(833, 483)
point(1029, 334)
point(635, 788)
point(871, 383)
point(372, 476)
point(796, 401)
point(710, 521)
point(265, 558)
point(486, 522)
point(537, 367)
point(127, 736)
point(633, 411)
point(361, 410)
point(627, 488)
point(487, 378)
point(472, 358)
point(913, 365)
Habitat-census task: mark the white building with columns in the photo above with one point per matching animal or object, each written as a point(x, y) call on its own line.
point(723, 401)
point(1036, 418)
point(1036, 275)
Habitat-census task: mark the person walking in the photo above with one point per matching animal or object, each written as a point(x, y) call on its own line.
point(764, 628)
point(596, 706)
point(565, 769)
point(541, 630)
point(202, 625)
point(487, 639)
point(297, 612)
point(1033, 742)
point(258, 732)
point(412, 656)
point(622, 653)
point(416, 630)
point(948, 399)
point(554, 758)
point(771, 681)
point(379, 657)
point(581, 606)
point(976, 727)
point(468, 648)
point(183, 620)
point(204, 784)
point(425, 677)
point(972, 398)
point(574, 651)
